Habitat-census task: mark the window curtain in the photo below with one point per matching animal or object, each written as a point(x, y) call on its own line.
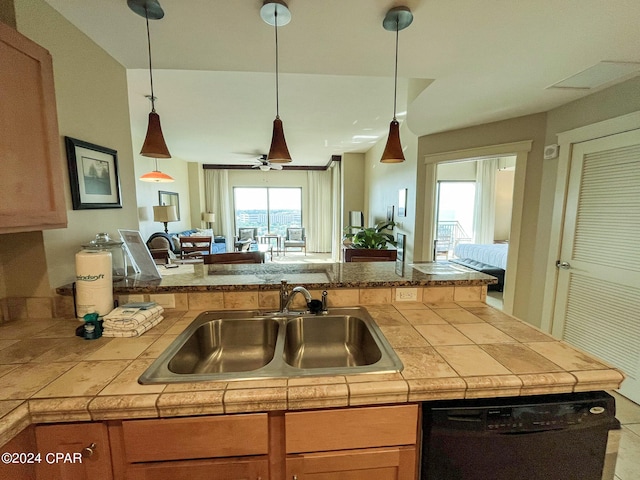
point(336, 215)
point(319, 226)
point(217, 199)
point(485, 211)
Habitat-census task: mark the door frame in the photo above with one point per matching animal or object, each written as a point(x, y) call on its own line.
point(521, 151)
point(567, 140)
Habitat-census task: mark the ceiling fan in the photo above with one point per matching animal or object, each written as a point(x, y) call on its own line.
point(265, 165)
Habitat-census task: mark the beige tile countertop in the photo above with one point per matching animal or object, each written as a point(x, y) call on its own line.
point(449, 350)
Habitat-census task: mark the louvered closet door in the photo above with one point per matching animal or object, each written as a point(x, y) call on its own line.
point(598, 297)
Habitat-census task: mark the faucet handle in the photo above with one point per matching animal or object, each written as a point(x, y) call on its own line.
point(324, 300)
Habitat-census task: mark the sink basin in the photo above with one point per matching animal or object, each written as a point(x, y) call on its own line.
point(227, 345)
point(327, 342)
point(249, 345)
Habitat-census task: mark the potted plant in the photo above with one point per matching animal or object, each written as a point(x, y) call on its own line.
point(369, 243)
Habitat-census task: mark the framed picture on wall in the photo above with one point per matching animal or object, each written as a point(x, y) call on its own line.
point(93, 175)
point(390, 210)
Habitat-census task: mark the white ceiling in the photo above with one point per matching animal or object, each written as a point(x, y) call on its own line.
point(480, 61)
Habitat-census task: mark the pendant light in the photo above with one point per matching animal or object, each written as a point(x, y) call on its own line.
point(154, 144)
point(396, 19)
point(276, 12)
point(156, 176)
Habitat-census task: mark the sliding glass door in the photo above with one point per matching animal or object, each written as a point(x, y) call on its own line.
point(269, 209)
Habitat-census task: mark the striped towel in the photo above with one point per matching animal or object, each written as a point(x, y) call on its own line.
point(123, 318)
point(132, 332)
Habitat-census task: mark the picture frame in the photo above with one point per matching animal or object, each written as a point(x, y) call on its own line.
point(93, 175)
point(169, 198)
point(390, 210)
point(140, 255)
point(402, 202)
point(400, 246)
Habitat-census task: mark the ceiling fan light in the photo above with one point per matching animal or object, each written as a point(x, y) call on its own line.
point(393, 149)
point(278, 153)
point(157, 177)
point(154, 145)
point(264, 168)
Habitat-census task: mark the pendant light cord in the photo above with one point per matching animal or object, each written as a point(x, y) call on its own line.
point(395, 83)
point(275, 12)
point(153, 98)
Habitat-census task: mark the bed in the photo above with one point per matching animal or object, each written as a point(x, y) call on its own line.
point(486, 258)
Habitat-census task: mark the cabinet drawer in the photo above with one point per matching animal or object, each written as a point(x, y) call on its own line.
point(195, 437)
point(351, 428)
point(226, 469)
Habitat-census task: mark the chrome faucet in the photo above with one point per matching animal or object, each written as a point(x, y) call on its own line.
point(286, 298)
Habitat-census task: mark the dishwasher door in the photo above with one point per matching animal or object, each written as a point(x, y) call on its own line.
point(548, 437)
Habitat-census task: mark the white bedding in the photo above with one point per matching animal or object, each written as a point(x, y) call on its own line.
point(491, 254)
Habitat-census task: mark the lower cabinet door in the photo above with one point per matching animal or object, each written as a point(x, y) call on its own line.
point(219, 469)
point(392, 463)
point(73, 452)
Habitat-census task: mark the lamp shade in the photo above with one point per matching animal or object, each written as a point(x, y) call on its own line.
point(393, 150)
point(278, 153)
point(154, 144)
point(209, 217)
point(156, 176)
point(165, 213)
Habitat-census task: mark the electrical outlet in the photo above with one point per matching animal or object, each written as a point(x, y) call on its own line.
point(166, 300)
point(406, 294)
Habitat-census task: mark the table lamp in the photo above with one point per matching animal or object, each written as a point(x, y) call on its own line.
point(209, 218)
point(165, 214)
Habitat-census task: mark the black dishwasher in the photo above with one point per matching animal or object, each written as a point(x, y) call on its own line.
point(536, 437)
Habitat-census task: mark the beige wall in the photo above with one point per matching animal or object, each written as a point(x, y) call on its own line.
point(91, 96)
point(147, 195)
point(531, 127)
point(383, 182)
point(353, 185)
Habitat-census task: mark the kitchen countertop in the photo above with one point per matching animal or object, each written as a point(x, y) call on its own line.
point(449, 350)
point(267, 276)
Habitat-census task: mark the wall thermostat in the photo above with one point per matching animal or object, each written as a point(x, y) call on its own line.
point(551, 151)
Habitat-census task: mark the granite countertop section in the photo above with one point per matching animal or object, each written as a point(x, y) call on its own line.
point(267, 276)
point(449, 351)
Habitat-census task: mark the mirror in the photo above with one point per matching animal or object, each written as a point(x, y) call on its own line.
point(169, 198)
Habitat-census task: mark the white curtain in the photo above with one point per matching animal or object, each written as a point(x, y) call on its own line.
point(484, 214)
point(319, 225)
point(336, 211)
point(217, 198)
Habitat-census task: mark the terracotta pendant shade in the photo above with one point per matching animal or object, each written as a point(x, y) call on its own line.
point(154, 145)
point(278, 153)
point(393, 150)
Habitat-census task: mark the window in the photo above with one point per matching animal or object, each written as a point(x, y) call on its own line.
point(271, 210)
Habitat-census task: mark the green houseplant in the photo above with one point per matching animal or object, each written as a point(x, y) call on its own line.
point(375, 237)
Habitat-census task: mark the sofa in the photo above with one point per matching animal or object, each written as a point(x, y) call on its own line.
point(161, 241)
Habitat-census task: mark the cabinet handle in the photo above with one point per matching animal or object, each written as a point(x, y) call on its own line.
point(88, 451)
point(295, 477)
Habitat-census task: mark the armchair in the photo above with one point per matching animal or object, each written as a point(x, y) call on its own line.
point(246, 237)
point(295, 238)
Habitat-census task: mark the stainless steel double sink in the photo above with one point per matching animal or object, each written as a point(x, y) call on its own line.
point(231, 345)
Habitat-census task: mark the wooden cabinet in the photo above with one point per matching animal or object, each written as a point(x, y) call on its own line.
point(73, 452)
point(333, 444)
point(350, 254)
point(31, 184)
point(352, 443)
point(226, 447)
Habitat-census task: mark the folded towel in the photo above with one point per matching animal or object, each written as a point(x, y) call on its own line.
point(133, 332)
point(127, 318)
point(128, 324)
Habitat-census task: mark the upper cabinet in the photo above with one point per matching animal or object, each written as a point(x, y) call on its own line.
point(31, 178)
